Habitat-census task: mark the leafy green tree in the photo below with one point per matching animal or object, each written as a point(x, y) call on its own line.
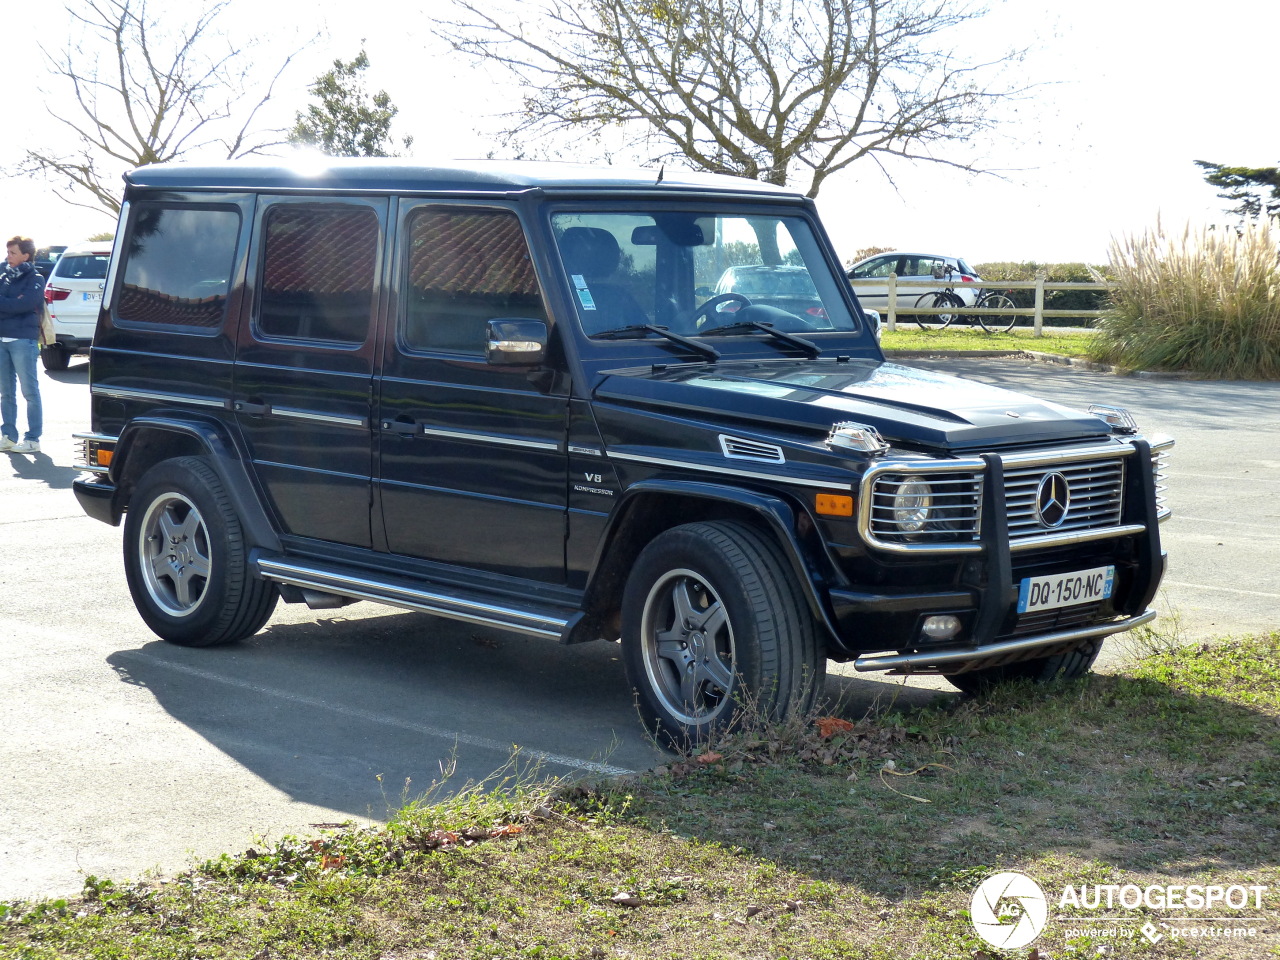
point(1254, 190)
point(347, 122)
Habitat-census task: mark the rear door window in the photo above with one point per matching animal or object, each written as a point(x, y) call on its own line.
point(319, 272)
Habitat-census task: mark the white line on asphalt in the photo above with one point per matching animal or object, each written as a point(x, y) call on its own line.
point(455, 736)
point(1234, 523)
point(1222, 479)
point(1205, 586)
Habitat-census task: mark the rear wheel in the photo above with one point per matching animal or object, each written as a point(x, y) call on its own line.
point(997, 324)
point(186, 560)
point(716, 629)
point(55, 357)
point(1072, 665)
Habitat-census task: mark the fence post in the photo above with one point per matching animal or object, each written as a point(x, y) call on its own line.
point(893, 301)
point(1039, 316)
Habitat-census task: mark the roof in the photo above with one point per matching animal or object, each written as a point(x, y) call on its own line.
point(403, 175)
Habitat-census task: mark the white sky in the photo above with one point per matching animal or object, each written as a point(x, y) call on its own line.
point(1133, 93)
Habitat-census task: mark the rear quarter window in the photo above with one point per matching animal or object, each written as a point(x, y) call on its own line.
point(178, 262)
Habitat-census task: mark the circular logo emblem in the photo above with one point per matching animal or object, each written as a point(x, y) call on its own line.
point(1008, 910)
point(1053, 500)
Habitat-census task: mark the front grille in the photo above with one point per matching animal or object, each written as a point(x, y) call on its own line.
point(1070, 495)
point(1094, 499)
point(1160, 464)
point(1046, 620)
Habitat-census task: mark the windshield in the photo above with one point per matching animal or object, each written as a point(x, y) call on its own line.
point(693, 272)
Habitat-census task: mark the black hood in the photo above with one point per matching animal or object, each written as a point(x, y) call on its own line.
point(908, 406)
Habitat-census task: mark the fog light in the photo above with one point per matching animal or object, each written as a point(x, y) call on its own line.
point(940, 628)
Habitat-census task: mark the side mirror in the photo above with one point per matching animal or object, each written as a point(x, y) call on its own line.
point(515, 342)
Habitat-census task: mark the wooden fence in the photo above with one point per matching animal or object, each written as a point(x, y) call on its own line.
point(913, 288)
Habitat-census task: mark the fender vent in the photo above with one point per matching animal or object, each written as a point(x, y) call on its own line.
point(735, 448)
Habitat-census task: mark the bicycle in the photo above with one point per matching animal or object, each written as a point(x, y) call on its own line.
point(947, 297)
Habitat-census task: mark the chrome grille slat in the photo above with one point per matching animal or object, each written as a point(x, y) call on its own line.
point(1096, 496)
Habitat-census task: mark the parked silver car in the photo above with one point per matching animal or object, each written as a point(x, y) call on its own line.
point(909, 266)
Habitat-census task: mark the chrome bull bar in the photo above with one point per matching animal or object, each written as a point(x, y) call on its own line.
point(994, 654)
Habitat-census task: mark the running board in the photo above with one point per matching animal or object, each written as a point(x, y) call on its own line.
point(535, 620)
point(1008, 651)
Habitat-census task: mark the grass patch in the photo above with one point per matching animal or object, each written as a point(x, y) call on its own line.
point(850, 837)
point(911, 337)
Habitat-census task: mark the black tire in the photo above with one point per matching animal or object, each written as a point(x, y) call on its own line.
point(932, 322)
point(55, 357)
point(186, 560)
point(761, 653)
point(923, 321)
point(1072, 665)
point(994, 324)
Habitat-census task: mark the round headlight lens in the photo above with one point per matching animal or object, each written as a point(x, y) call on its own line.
point(912, 505)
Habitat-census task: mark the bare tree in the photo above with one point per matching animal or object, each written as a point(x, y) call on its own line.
point(765, 89)
point(146, 94)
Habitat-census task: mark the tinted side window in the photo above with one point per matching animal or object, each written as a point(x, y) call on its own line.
point(465, 267)
point(318, 272)
point(178, 263)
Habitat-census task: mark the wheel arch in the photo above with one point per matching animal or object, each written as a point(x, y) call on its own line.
point(146, 441)
point(651, 507)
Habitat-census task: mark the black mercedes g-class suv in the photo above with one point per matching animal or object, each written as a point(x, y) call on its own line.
point(510, 394)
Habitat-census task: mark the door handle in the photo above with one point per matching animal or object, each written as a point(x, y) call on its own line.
point(253, 407)
point(402, 426)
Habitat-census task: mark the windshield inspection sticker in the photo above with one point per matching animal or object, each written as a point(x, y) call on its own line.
point(584, 294)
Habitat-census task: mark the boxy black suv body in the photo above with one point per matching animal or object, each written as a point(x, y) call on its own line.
point(509, 394)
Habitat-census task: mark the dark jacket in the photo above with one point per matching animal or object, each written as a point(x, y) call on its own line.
point(21, 300)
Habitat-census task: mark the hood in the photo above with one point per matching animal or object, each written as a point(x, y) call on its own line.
point(908, 406)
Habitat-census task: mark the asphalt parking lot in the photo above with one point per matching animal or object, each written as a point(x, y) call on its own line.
point(121, 754)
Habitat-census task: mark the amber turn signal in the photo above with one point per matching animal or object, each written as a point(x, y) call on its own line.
point(834, 505)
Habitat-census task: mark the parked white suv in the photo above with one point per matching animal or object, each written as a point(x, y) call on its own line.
point(74, 294)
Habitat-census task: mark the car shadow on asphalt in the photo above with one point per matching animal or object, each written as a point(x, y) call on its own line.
point(344, 712)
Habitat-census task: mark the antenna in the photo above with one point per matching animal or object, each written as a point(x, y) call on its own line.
point(661, 170)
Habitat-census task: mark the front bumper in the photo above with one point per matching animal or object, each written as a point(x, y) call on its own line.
point(996, 654)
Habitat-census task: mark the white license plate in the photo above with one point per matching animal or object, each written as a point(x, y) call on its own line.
point(1065, 589)
point(95, 297)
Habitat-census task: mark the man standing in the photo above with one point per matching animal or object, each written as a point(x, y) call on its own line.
point(21, 300)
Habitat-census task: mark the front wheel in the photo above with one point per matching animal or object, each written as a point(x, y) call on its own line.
point(716, 629)
point(186, 559)
point(1072, 665)
point(997, 324)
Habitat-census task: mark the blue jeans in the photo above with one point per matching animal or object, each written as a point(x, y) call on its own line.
point(18, 357)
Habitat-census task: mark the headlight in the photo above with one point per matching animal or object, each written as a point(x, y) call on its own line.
point(912, 505)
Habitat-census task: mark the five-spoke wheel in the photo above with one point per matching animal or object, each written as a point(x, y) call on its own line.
point(186, 561)
point(716, 628)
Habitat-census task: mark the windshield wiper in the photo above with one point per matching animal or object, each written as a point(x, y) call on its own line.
point(704, 350)
point(808, 346)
